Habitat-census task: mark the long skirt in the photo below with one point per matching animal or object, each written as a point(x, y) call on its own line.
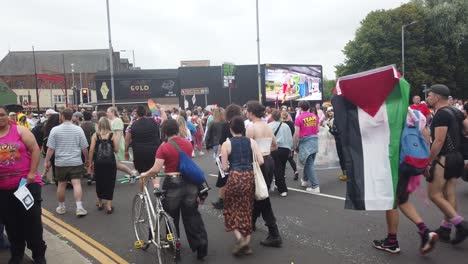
point(238, 201)
point(105, 176)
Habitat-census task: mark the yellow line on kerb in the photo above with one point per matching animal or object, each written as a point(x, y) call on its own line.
point(80, 239)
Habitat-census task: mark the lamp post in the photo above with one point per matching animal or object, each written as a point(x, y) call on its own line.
point(73, 83)
point(403, 46)
point(259, 76)
point(111, 61)
point(133, 54)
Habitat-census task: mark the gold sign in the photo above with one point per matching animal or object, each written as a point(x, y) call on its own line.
point(104, 90)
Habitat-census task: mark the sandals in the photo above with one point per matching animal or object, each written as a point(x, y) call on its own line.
point(110, 211)
point(100, 208)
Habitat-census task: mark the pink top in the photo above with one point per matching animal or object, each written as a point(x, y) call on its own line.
point(15, 160)
point(308, 124)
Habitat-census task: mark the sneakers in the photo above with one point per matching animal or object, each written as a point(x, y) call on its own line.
point(444, 234)
point(313, 190)
point(461, 232)
point(304, 183)
point(81, 212)
point(385, 245)
point(296, 175)
point(60, 210)
point(201, 153)
point(428, 241)
point(283, 194)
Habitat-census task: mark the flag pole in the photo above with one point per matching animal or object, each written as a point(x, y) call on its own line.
point(111, 61)
point(35, 80)
point(259, 75)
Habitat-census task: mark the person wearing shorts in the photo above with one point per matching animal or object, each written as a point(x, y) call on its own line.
point(67, 142)
point(428, 238)
point(446, 162)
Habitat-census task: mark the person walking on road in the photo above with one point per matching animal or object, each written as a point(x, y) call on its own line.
point(181, 196)
point(67, 141)
point(103, 164)
point(19, 160)
point(284, 141)
point(52, 121)
point(286, 118)
point(117, 126)
point(306, 141)
point(214, 131)
point(240, 187)
point(263, 135)
point(446, 162)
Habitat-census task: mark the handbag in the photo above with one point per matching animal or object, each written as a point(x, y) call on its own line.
point(261, 189)
point(188, 168)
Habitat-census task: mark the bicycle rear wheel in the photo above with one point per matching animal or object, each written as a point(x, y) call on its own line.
point(141, 223)
point(168, 240)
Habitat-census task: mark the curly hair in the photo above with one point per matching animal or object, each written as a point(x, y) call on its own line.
point(255, 108)
point(231, 111)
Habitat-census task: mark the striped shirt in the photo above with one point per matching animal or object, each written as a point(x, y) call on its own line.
point(67, 140)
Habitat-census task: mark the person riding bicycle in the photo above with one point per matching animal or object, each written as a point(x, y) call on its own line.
point(181, 196)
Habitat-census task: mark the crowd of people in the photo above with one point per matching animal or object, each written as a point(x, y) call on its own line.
point(95, 144)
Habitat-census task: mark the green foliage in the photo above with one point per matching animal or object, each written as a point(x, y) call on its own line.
point(436, 47)
point(328, 86)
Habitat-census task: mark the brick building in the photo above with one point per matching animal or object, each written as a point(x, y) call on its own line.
point(77, 67)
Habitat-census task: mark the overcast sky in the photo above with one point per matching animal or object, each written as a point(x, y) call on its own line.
point(163, 32)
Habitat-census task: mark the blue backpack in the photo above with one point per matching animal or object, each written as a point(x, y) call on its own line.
point(414, 151)
point(188, 168)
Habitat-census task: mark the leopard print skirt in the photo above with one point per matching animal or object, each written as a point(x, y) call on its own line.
point(238, 201)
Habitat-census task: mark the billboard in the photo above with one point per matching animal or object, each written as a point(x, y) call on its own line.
point(137, 89)
point(293, 82)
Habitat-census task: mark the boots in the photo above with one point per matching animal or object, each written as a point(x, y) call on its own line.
point(218, 204)
point(273, 239)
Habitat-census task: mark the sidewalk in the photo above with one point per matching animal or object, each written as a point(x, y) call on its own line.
point(58, 252)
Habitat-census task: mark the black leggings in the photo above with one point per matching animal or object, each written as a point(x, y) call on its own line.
point(23, 226)
point(263, 207)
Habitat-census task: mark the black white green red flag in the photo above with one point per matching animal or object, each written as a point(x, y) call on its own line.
point(370, 112)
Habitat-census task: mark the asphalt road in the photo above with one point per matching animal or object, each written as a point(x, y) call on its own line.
point(315, 229)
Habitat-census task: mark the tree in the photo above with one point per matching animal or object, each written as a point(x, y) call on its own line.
point(435, 47)
point(328, 87)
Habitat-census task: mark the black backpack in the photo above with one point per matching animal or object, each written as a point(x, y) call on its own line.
point(38, 133)
point(104, 151)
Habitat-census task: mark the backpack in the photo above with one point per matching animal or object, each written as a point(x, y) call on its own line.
point(38, 133)
point(455, 144)
point(414, 151)
point(105, 151)
point(188, 168)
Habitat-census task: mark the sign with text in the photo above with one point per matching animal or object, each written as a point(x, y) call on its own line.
point(229, 75)
point(195, 91)
point(137, 89)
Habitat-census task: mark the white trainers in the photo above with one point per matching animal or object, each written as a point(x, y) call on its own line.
point(304, 183)
point(193, 154)
point(201, 153)
point(283, 194)
point(313, 190)
point(81, 212)
point(60, 210)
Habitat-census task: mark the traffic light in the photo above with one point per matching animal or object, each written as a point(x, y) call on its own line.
point(85, 95)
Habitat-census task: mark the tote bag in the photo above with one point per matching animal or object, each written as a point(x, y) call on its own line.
point(261, 189)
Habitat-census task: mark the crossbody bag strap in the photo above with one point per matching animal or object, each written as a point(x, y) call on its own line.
point(277, 129)
point(174, 144)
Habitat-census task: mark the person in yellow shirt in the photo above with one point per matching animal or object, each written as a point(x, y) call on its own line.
point(22, 121)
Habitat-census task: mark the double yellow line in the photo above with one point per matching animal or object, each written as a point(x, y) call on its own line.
point(99, 252)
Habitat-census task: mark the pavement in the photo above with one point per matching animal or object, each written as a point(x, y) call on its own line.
point(315, 228)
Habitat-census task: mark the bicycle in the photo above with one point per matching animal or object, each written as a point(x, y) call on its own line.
point(152, 225)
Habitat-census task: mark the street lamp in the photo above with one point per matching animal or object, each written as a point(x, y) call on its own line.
point(403, 46)
point(73, 83)
point(111, 61)
point(259, 76)
point(133, 54)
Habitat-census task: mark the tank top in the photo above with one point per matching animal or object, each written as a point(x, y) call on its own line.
point(15, 160)
point(240, 158)
point(264, 144)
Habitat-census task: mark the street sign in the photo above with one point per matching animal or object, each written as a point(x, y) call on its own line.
point(229, 75)
point(195, 91)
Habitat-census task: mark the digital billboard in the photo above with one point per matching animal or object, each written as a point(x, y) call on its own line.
point(293, 82)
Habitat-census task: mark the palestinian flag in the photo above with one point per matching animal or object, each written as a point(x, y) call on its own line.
point(370, 112)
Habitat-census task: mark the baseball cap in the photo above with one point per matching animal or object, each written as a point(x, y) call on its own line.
point(438, 89)
point(78, 114)
point(50, 112)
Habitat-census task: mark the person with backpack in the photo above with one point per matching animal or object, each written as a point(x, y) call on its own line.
point(181, 194)
point(446, 162)
point(414, 147)
point(102, 162)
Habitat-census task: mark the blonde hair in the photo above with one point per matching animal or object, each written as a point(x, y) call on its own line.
point(104, 126)
point(114, 111)
point(217, 115)
point(182, 127)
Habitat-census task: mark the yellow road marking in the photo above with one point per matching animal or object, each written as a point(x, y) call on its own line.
point(82, 240)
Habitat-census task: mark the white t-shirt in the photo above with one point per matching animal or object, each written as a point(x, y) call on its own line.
point(67, 140)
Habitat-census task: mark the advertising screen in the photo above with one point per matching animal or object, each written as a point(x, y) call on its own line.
point(293, 82)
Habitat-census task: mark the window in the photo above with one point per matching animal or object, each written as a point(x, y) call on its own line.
point(70, 99)
point(59, 99)
point(19, 84)
point(24, 98)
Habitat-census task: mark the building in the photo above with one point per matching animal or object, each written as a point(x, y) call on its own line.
point(61, 75)
point(195, 63)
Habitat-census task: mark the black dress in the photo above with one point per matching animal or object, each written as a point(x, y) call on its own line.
point(105, 175)
point(145, 141)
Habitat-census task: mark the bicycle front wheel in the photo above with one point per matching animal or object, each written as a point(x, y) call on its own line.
point(141, 222)
point(168, 240)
